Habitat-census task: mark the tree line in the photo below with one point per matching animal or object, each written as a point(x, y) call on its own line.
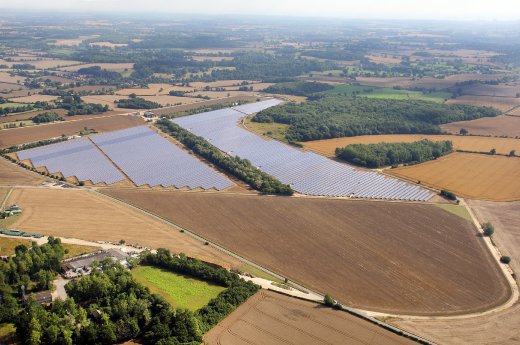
point(236, 166)
point(334, 116)
point(386, 154)
point(76, 106)
point(137, 103)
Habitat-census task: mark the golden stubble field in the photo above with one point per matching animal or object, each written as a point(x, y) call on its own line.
point(327, 147)
point(85, 215)
point(470, 175)
point(501, 103)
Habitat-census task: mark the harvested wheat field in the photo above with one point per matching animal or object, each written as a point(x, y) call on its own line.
point(389, 257)
point(497, 328)
point(497, 126)
point(501, 103)
point(34, 98)
point(6, 77)
point(18, 136)
point(53, 64)
point(113, 221)
point(468, 174)
point(166, 100)
point(8, 87)
point(156, 89)
point(327, 147)
point(221, 83)
point(501, 90)
point(13, 175)
point(223, 94)
point(115, 67)
point(271, 318)
point(104, 100)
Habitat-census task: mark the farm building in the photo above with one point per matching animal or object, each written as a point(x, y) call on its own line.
point(149, 115)
point(12, 210)
point(43, 297)
point(81, 265)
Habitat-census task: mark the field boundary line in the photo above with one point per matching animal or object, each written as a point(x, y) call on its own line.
point(6, 197)
point(358, 312)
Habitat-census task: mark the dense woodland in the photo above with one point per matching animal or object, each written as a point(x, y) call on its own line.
point(76, 106)
point(391, 154)
point(137, 103)
point(345, 116)
point(236, 166)
point(46, 117)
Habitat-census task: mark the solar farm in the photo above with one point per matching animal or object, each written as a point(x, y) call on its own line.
point(143, 155)
point(307, 173)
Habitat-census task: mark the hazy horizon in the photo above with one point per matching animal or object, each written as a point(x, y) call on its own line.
point(464, 10)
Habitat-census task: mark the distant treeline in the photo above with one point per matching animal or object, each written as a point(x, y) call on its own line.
point(298, 88)
point(236, 166)
point(346, 116)
point(46, 117)
point(386, 154)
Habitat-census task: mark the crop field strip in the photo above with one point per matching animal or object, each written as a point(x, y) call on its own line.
point(306, 172)
point(148, 159)
point(78, 158)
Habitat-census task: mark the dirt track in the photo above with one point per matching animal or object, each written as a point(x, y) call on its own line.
point(270, 318)
point(23, 135)
point(387, 257)
point(85, 215)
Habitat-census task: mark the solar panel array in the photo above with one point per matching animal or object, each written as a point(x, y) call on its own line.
point(306, 172)
point(78, 158)
point(149, 159)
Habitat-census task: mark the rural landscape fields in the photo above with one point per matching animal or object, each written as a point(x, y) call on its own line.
point(370, 181)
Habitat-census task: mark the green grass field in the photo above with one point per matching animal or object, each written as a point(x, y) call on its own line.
point(10, 104)
point(388, 93)
point(460, 211)
point(273, 130)
point(180, 291)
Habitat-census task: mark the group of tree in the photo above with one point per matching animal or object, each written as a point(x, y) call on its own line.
point(344, 116)
point(34, 268)
point(298, 88)
point(390, 154)
point(236, 166)
point(137, 103)
point(46, 117)
point(15, 109)
point(76, 106)
point(97, 73)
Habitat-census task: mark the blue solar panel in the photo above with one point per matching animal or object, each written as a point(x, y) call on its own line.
point(307, 172)
point(79, 158)
point(149, 159)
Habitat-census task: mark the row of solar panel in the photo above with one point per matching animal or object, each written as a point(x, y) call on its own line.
point(307, 172)
point(143, 155)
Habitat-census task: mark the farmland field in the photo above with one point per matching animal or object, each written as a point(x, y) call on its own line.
point(105, 220)
point(496, 126)
point(389, 93)
point(471, 175)
point(116, 67)
point(7, 78)
point(496, 328)
point(179, 290)
point(269, 318)
point(34, 98)
point(429, 261)
point(7, 245)
point(155, 89)
point(501, 103)
point(72, 250)
point(327, 147)
point(166, 100)
point(11, 174)
point(101, 124)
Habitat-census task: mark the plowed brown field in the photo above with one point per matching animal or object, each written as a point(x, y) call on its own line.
point(84, 215)
point(496, 328)
point(327, 147)
point(472, 175)
point(18, 136)
point(501, 103)
point(498, 126)
point(270, 318)
point(390, 257)
point(11, 175)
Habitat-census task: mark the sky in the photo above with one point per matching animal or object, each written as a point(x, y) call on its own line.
point(364, 9)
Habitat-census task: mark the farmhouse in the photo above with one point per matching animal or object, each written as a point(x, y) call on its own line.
point(149, 115)
point(43, 297)
point(81, 265)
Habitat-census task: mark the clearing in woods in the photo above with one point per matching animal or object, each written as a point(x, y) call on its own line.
point(471, 175)
point(327, 147)
point(90, 216)
point(270, 318)
point(383, 256)
point(179, 290)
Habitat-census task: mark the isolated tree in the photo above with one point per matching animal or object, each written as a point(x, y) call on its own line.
point(329, 301)
point(463, 131)
point(489, 229)
point(493, 151)
point(512, 153)
point(505, 259)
